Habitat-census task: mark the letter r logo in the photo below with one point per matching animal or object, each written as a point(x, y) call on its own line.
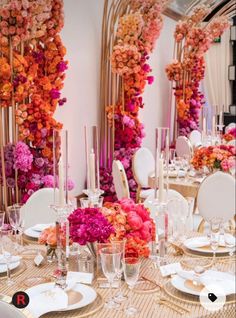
point(20, 299)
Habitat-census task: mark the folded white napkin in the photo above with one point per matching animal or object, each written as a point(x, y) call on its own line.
point(190, 275)
point(204, 241)
point(198, 242)
point(80, 277)
point(41, 227)
point(230, 239)
point(50, 300)
point(224, 280)
point(13, 259)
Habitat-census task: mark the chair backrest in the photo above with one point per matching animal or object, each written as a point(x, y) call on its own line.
point(183, 147)
point(9, 311)
point(195, 137)
point(230, 126)
point(232, 143)
point(216, 197)
point(120, 180)
point(172, 194)
point(37, 209)
point(143, 164)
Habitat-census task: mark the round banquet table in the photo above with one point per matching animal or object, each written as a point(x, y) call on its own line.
point(146, 302)
point(188, 188)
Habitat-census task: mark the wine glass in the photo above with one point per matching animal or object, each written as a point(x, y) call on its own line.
point(230, 240)
point(2, 219)
point(185, 165)
point(131, 266)
point(120, 245)
point(198, 265)
point(172, 156)
point(110, 259)
point(178, 165)
point(7, 251)
point(215, 225)
point(17, 222)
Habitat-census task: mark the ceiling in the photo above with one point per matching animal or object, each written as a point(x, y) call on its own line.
point(177, 9)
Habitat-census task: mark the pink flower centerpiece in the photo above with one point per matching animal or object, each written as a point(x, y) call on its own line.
point(89, 225)
point(133, 222)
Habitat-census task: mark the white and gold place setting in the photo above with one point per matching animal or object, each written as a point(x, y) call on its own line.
point(117, 159)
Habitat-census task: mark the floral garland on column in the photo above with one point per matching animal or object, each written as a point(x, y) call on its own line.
point(136, 35)
point(32, 70)
point(192, 39)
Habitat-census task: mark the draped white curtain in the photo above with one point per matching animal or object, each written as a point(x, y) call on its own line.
point(216, 83)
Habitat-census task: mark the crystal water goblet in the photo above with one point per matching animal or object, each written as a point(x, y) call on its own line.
point(120, 245)
point(131, 267)
point(7, 247)
point(178, 165)
point(16, 218)
point(215, 225)
point(110, 259)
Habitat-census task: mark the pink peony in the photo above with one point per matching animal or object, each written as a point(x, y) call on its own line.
point(135, 221)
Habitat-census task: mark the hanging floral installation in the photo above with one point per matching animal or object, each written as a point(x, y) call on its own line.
point(193, 38)
point(32, 70)
point(139, 26)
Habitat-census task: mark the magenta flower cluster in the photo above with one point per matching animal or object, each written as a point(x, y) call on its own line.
point(89, 225)
point(23, 157)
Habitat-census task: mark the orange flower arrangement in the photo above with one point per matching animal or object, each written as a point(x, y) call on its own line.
point(193, 40)
point(218, 157)
point(132, 222)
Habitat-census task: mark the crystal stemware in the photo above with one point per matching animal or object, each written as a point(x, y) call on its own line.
point(2, 219)
point(16, 219)
point(172, 156)
point(131, 267)
point(215, 225)
point(110, 259)
point(185, 165)
point(178, 165)
point(120, 245)
point(230, 241)
point(7, 251)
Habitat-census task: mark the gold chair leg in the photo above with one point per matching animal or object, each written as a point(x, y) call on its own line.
point(138, 199)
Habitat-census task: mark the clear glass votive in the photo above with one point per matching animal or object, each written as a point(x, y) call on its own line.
point(84, 202)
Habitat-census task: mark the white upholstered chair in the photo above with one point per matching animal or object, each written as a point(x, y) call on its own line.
point(216, 198)
point(120, 180)
point(10, 311)
point(195, 138)
point(37, 209)
point(230, 126)
point(143, 165)
point(183, 147)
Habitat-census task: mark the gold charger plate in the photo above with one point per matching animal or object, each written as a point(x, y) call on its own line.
point(187, 298)
point(144, 286)
point(86, 311)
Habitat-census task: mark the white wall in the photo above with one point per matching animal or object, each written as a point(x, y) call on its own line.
point(157, 96)
point(82, 37)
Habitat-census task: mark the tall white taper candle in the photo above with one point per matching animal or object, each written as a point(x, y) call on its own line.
point(61, 183)
point(161, 181)
point(92, 170)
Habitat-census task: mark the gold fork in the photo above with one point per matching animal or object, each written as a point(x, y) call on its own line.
point(169, 305)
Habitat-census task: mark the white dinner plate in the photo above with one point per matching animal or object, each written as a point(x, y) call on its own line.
point(88, 293)
point(3, 267)
point(31, 233)
point(179, 283)
point(204, 249)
